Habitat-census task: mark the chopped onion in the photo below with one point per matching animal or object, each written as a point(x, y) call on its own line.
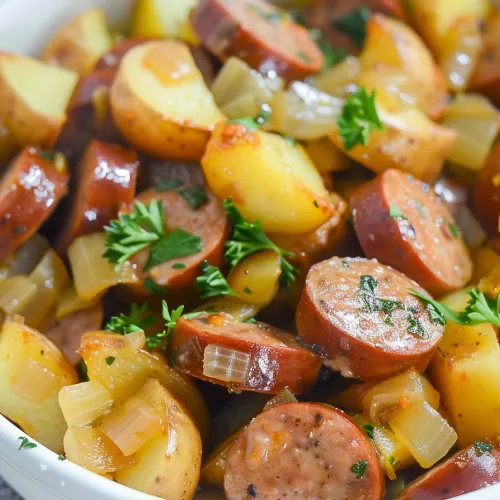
point(425, 433)
point(233, 306)
point(83, 403)
point(33, 382)
point(135, 341)
point(472, 232)
point(16, 293)
point(133, 423)
point(70, 302)
point(28, 255)
point(92, 273)
point(91, 449)
point(284, 396)
point(225, 364)
point(339, 81)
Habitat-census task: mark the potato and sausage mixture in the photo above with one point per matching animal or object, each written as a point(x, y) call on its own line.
point(251, 248)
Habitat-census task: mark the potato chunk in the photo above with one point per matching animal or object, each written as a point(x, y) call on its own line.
point(32, 371)
point(160, 101)
point(267, 177)
point(33, 99)
point(78, 44)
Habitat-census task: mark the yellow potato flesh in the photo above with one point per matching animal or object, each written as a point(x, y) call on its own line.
point(463, 370)
point(267, 177)
point(32, 371)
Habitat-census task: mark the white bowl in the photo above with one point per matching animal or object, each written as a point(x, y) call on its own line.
point(38, 474)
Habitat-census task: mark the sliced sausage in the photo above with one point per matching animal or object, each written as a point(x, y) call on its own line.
point(260, 34)
point(29, 192)
point(253, 357)
point(361, 314)
point(400, 222)
point(469, 470)
point(209, 222)
point(67, 331)
point(106, 181)
point(306, 451)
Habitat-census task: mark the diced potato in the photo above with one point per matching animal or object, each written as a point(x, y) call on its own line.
point(326, 156)
point(16, 294)
point(410, 142)
point(69, 302)
point(33, 99)
point(267, 177)
point(462, 370)
point(32, 371)
point(392, 43)
point(484, 260)
point(339, 81)
point(167, 466)
point(164, 18)
point(130, 369)
point(78, 44)
point(161, 103)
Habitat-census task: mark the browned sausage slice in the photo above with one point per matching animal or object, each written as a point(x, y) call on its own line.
point(107, 176)
point(29, 192)
point(362, 315)
point(67, 332)
point(303, 451)
point(260, 34)
point(469, 470)
point(209, 222)
point(260, 358)
point(400, 222)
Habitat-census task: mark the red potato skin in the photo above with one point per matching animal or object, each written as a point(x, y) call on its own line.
point(302, 450)
point(464, 472)
point(360, 344)
point(286, 363)
point(30, 190)
point(422, 246)
point(107, 176)
point(225, 35)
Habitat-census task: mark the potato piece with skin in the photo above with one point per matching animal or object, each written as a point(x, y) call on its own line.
point(462, 370)
point(32, 371)
point(130, 370)
point(167, 466)
point(33, 99)
point(78, 44)
point(391, 43)
point(161, 103)
point(409, 142)
point(267, 177)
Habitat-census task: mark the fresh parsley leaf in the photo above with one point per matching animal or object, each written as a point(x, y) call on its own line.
point(48, 155)
point(391, 460)
point(251, 321)
point(247, 290)
point(178, 243)
point(249, 238)
point(345, 265)
point(396, 213)
point(61, 457)
point(368, 284)
point(167, 185)
point(179, 265)
point(353, 24)
point(368, 428)
point(195, 196)
point(154, 288)
point(415, 327)
point(453, 230)
point(138, 319)
point(482, 448)
point(211, 282)
point(331, 55)
point(133, 232)
point(264, 114)
point(481, 309)
point(26, 444)
point(358, 119)
point(171, 318)
point(110, 360)
point(371, 303)
point(248, 122)
point(195, 314)
point(359, 468)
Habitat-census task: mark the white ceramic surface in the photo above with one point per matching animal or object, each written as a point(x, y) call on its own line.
point(37, 474)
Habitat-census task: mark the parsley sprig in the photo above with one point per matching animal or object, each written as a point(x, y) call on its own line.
point(138, 319)
point(171, 318)
point(211, 282)
point(481, 309)
point(353, 24)
point(249, 238)
point(26, 444)
point(358, 119)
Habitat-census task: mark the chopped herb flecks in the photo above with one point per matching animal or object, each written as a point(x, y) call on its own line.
point(359, 468)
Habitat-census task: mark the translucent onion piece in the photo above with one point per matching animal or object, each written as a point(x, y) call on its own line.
point(16, 293)
point(132, 424)
point(472, 232)
point(305, 113)
point(340, 80)
point(284, 396)
point(135, 341)
point(92, 273)
point(83, 403)
point(475, 132)
point(32, 381)
point(91, 449)
point(425, 433)
point(51, 278)
point(225, 364)
point(243, 105)
point(70, 301)
point(232, 305)
point(326, 156)
point(28, 255)
point(460, 52)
